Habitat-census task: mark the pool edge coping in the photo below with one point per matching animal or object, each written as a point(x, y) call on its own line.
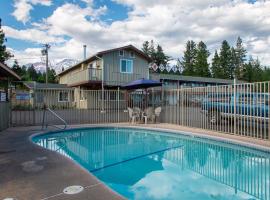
point(168, 130)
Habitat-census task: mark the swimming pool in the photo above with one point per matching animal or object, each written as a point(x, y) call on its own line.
point(149, 164)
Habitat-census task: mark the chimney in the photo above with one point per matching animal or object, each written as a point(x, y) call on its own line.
point(84, 52)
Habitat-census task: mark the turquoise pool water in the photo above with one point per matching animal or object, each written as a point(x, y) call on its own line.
point(144, 164)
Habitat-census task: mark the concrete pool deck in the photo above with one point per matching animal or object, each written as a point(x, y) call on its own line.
point(31, 172)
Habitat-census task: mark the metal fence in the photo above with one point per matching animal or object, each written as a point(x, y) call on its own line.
point(4, 117)
point(74, 105)
point(240, 109)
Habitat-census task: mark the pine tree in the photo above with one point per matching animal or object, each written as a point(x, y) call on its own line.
point(240, 54)
point(252, 71)
point(4, 54)
point(32, 74)
point(216, 69)
point(152, 51)
point(225, 61)
point(188, 62)
point(156, 54)
point(145, 48)
point(201, 67)
point(160, 57)
point(16, 68)
point(266, 74)
point(51, 76)
point(233, 65)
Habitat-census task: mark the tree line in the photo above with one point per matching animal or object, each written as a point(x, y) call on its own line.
point(227, 63)
point(31, 74)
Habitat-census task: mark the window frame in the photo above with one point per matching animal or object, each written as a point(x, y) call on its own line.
point(63, 100)
point(130, 54)
point(123, 53)
point(126, 72)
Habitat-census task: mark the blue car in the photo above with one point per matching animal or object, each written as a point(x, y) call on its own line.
point(242, 106)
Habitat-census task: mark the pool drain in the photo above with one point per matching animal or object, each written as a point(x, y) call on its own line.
point(74, 189)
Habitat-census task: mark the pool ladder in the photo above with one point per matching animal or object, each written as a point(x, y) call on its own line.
point(47, 109)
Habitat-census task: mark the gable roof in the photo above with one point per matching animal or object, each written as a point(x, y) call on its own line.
point(94, 57)
point(5, 72)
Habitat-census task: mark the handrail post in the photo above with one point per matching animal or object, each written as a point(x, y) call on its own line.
point(55, 114)
point(118, 104)
point(44, 115)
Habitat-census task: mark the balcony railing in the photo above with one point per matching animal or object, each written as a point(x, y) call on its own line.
point(90, 74)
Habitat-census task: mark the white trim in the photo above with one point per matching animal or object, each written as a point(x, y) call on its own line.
point(126, 68)
point(64, 100)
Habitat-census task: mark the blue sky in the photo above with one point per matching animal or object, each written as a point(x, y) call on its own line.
point(101, 24)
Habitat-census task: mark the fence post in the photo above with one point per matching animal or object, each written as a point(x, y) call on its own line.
point(10, 123)
point(34, 103)
point(118, 104)
point(234, 106)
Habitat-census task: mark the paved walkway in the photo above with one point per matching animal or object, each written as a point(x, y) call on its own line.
point(30, 172)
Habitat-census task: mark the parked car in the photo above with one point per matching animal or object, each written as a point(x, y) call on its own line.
point(243, 106)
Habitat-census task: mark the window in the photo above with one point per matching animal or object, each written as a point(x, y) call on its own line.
point(126, 66)
point(63, 96)
point(121, 53)
point(132, 55)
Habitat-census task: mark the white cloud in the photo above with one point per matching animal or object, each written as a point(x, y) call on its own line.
point(23, 8)
point(171, 23)
point(32, 35)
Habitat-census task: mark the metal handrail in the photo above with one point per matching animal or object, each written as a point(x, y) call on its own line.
point(56, 115)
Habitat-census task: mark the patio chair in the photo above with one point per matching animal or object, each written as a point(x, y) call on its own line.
point(157, 113)
point(132, 116)
point(148, 114)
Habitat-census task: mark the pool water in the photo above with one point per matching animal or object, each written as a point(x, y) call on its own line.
point(148, 165)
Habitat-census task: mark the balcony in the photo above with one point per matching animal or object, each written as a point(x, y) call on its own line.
point(85, 76)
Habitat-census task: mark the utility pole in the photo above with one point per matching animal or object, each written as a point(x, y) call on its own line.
point(45, 53)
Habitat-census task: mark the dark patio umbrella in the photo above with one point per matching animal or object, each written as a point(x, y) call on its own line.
point(141, 84)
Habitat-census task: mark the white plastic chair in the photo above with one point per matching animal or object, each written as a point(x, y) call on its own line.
point(132, 116)
point(157, 113)
point(148, 114)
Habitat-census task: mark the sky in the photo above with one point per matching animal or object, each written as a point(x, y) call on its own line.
point(102, 24)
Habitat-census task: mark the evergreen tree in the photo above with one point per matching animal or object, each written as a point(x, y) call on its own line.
point(156, 54)
point(188, 62)
point(252, 71)
point(216, 68)
point(160, 57)
point(4, 54)
point(240, 55)
point(225, 61)
point(51, 76)
point(41, 77)
point(201, 67)
point(266, 74)
point(16, 68)
point(233, 65)
point(152, 51)
point(32, 74)
point(146, 48)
